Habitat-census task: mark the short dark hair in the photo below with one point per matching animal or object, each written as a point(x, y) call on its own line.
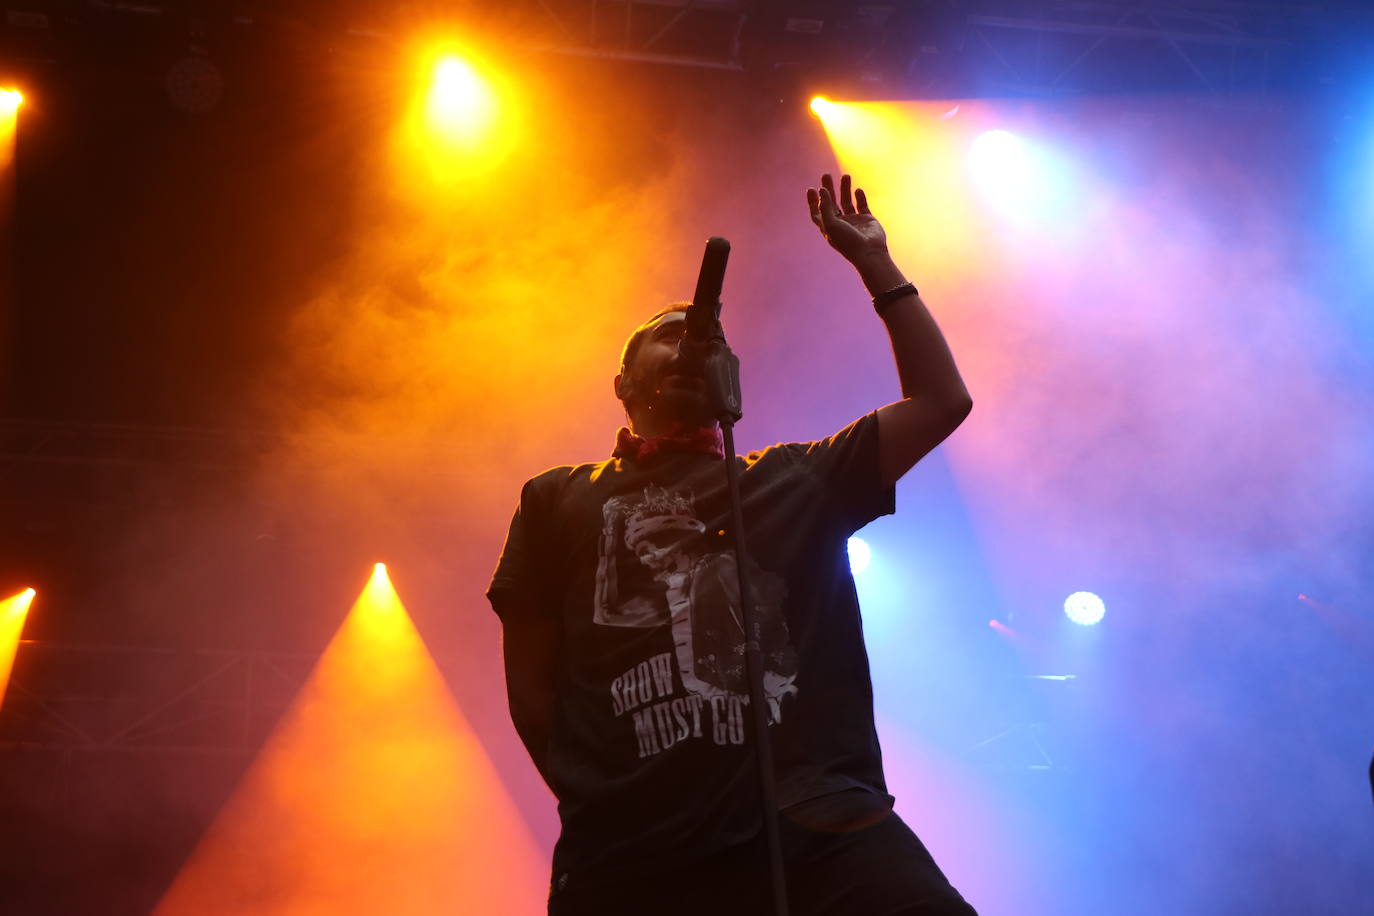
point(632, 345)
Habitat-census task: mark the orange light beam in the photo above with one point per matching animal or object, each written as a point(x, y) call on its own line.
point(13, 612)
point(373, 795)
point(922, 206)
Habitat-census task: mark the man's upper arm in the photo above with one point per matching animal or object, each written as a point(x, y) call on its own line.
point(531, 623)
point(530, 642)
point(909, 429)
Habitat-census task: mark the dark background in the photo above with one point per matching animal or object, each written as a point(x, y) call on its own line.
point(161, 260)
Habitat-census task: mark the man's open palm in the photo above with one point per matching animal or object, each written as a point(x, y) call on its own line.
point(851, 230)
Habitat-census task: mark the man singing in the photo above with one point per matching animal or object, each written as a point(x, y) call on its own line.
point(618, 593)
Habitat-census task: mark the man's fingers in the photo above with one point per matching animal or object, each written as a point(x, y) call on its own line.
point(813, 203)
point(862, 199)
point(828, 193)
point(828, 209)
point(846, 196)
point(829, 212)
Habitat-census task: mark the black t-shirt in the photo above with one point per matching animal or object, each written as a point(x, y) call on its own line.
point(648, 756)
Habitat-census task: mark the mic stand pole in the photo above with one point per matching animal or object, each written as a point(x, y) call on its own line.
point(721, 375)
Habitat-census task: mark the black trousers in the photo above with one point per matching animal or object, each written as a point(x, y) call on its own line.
point(879, 870)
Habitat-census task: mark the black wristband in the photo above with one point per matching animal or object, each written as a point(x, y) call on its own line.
point(883, 300)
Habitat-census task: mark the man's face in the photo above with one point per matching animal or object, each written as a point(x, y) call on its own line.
point(657, 381)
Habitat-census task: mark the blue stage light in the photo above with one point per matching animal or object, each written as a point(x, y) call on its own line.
point(859, 555)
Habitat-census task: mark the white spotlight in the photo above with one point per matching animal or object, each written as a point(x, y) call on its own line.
point(1000, 163)
point(859, 555)
point(1084, 608)
point(1022, 179)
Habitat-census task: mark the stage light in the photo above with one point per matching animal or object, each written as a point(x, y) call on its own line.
point(379, 601)
point(13, 612)
point(919, 205)
point(1084, 608)
point(999, 162)
point(848, 118)
point(373, 795)
point(10, 100)
point(859, 555)
point(1020, 178)
point(461, 104)
point(464, 119)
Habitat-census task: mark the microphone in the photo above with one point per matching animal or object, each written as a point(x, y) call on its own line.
point(703, 347)
point(703, 315)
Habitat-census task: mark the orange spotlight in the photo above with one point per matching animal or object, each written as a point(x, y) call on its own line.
point(373, 795)
point(462, 106)
point(823, 107)
point(463, 118)
point(457, 91)
point(13, 612)
point(10, 100)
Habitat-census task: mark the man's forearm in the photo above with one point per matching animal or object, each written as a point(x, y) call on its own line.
point(535, 728)
point(531, 646)
point(934, 400)
point(925, 365)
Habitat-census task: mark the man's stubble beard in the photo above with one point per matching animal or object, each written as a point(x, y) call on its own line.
point(671, 407)
point(685, 408)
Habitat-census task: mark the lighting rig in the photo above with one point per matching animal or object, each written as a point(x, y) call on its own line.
point(196, 54)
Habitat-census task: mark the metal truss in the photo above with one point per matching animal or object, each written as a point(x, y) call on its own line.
point(1212, 46)
point(108, 698)
point(962, 47)
point(691, 33)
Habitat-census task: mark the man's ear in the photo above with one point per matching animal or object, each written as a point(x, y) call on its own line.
point(622, 386)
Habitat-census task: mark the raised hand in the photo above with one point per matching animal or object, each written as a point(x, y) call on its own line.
point(851, 230)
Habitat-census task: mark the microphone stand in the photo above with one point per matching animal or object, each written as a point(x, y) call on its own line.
point(720, 371)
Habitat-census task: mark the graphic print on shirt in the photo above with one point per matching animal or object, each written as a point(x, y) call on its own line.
point(656, 565)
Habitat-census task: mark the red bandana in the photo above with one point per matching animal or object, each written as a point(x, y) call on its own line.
point(706, 440)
